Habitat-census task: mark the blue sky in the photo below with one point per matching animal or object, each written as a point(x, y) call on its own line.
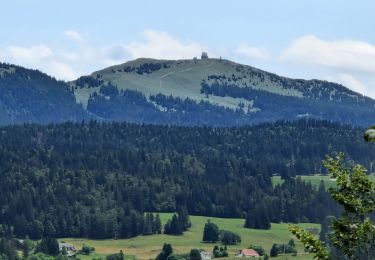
point(328, 39)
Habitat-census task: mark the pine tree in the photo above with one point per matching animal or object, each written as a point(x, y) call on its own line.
point(157, 224)
point(167, 250)
point(173, 226)
point(147, 227)
point(49, 246)
point(183, 218)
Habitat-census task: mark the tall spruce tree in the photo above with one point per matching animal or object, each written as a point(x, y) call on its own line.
point(157, 224)
point(173, 226)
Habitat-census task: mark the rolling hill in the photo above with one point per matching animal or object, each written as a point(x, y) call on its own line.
point(213, 92)
point(30, 96)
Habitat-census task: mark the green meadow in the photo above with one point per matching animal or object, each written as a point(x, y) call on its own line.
point(315, 180)
point(147, 247)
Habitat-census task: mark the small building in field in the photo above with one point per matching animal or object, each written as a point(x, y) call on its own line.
point(206, 255)
point(70, 249)
point(248, 253)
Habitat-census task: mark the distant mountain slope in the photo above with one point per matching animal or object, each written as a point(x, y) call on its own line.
point(196, 92)
point(31, 96)
point(214, 92)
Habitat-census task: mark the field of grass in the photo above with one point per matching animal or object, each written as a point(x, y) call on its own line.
point(314, 180)
point(183, 79)
point(147, 247)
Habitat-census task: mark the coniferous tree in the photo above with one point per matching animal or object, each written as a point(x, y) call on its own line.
point(183, 218)
point(147, 227)
point(211, 232)
point(173, 226)
point(167, 250)
point(157, 224)
point(7, 249)
point(49, 246)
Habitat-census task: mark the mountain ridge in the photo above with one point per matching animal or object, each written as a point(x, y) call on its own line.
point(229, 85)
point(206, 91)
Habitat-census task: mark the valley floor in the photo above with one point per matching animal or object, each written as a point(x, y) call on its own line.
point(147, 247)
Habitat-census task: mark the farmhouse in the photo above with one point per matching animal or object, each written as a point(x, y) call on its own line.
point(248, 253)
point(206, 255)
point(70, 249)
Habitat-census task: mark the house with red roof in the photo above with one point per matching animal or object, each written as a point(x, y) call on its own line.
point(248, 253)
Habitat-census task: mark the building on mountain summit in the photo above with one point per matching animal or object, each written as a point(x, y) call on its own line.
point(204, 55)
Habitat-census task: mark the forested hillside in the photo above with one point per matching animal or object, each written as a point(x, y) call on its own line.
point(113, 104)
point(214, 92)
point(31, 96)
point(208, 92)
point(96, 180)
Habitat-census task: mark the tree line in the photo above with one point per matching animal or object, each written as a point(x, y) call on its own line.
point(98, 179)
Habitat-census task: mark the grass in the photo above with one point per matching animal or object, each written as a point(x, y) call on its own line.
point(183, 79)
point(314, 180)
point(147, 247)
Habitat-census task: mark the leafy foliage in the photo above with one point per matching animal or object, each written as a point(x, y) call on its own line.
point(311, 243)
point(229, 237)
point(353, 233)
point(219, 252)
point(195, 254)
point(211, 232)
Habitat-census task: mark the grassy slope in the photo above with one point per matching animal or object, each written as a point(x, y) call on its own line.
point(181, 79)
point(314, 179)
point(146, 247)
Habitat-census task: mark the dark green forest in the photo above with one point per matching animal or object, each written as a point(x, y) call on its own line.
point(34, 97)
point(111, 104)
point(97, 180)
point(319, 103)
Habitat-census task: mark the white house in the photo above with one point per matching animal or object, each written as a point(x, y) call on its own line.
point(70, 249)
point(206, 255)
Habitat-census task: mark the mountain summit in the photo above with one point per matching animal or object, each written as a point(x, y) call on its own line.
point(213, 92)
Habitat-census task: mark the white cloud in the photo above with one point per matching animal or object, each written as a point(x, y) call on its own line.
point(70, 62)
point(161, 45)
point(349, 81)
point(28, 54)
point(252, 52)
point(349, 62)
point(73, 36)
point(346, 55)
point(39, 57)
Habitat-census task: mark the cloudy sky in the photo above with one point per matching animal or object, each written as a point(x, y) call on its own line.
point(325, 39)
